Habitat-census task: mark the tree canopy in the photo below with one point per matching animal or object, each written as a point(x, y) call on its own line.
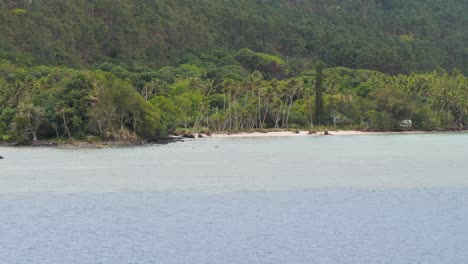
point(143, 69)
point(391, 36)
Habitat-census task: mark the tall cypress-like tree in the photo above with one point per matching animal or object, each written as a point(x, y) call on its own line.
point(318, 93)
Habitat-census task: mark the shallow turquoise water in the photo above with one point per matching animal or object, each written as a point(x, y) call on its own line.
point(348, 199)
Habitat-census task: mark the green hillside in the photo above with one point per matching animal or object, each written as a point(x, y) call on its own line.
point(392, 36)
point(139, 70)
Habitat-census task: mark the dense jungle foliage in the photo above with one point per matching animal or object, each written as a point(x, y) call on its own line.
point(140, 69)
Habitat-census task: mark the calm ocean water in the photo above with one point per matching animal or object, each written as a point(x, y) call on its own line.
point(344, 199)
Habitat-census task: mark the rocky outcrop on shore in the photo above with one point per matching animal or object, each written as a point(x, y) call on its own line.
point(89, 144)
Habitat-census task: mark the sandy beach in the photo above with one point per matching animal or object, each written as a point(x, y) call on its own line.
point(256, 134)
point(306, 133)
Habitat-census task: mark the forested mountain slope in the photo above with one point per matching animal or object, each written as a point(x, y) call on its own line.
point(139, 70)
point(392, 36)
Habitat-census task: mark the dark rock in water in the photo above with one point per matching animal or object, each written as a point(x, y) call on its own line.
point(188, 136)
point(1, 157)
point(326, 133)
point(164, 141)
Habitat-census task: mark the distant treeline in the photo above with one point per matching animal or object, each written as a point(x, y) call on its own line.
point(241, 91)
point(390, 36)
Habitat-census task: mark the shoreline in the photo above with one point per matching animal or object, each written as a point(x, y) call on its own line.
point(174, 139)
point(305, 133)
point(86, 144)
